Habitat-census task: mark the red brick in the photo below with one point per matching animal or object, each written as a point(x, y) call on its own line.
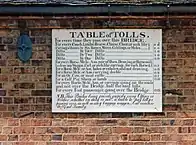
point(41, 122)
point(3, 137)
point(188, 107)
point(73, 129)
point(12, 137)
point(173, 47)
point(155, 123)
point(25, 122)
point(188, 122)
point(108, 122)
point(24, 138)
point(73, 137)
point(40, 137)
point(138, 129)
point(186, 54)
point(188, 137)
point(89, 137)
point(186, 142)
point(155, 137)
point(139, 122)
point(170, 99)
point(89, 143)
point(3, 78)
point(24, 143)
point(170, 137)
point(105, 130)
point(105, 137)
point(123, 137)
point(7, 130)
point(122, 143)
point(159, 129)
point(106, 143)
point(189, 92)
point(171, 54)
point(88, 130)
point(72, 143)
point(23, 130)
point(158, 143)
point(139, 137)
point(56, 143)
point(13, 122)
point(121, 130)
point(183, 129)
point(4, 107)
point(172, 130)
point(139, 143)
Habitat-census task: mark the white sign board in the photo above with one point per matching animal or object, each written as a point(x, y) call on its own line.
point(107, 70)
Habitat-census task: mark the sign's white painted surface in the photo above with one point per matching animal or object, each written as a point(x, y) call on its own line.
point(107, 70)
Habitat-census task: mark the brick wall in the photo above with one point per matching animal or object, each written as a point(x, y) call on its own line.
point(25, 94)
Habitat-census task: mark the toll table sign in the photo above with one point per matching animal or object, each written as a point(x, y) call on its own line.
point(106, 70)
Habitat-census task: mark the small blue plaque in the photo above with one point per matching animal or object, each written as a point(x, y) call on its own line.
point(24, 46)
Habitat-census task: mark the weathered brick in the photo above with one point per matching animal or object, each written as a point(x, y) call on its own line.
point(3, 78)
point(24, 70)
point(89, 143)
point(104, 137)
point(23, 130)
point(73, 137)
point(12, 137)
point(41, 86)
point(40, 137)
point(3, 47)
point(41, 93)
point(170, 137)
point(40, 33)
point(155, 137)
point(20, 100)
point(8, 40)
point(171, 54)
point(13, 62)
point(111, 122)
point(188, 122)
point(139, 122)
point(57, 137)
point(13, 122)
point(39, 55)
point(8, 100)
point(89, 137)
point(183, 130)
point(56, 143)
point(25, 122)
point(141, 137)
point(151, 130)
point(40, 70)
point(123, 137)
point(169, 107)
point(24, 85)
point(90, 130)
point(41, 122)
point(138, 129)
point(186, 54)
point(2, 92)
point(7, 130)
point(122, 143)
point(73, 129)
point(44, 63)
